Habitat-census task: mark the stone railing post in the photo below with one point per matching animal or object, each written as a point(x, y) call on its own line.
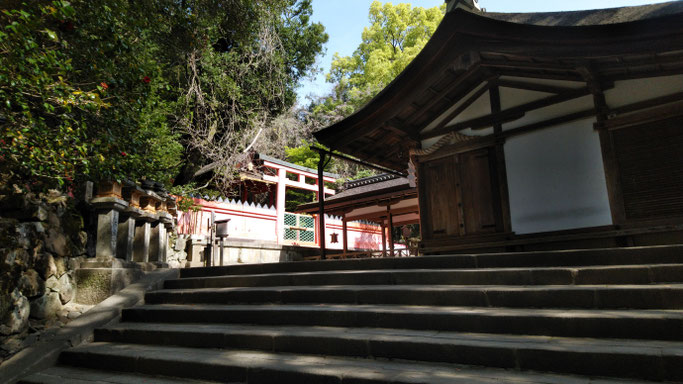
point(127, 225)
point(108, 210)
point(143, 228)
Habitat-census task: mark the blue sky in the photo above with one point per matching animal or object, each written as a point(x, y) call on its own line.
point(344, 21)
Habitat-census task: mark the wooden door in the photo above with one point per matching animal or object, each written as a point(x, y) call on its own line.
point(477, 189)
point(439, 180)
point(460, 196)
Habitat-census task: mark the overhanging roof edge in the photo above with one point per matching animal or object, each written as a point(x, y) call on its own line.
point(461, 24)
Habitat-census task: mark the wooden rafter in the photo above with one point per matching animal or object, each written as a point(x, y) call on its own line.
point(457, 82)
point(564, 76)
point(384, 213)
point(654, 102)
point(549, 123)
point(507, 115)
point(466, 104)
point(559, 67)
point(404, 135)
point(529, 86)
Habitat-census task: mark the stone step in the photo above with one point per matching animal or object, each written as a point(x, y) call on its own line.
point(655, 296)
point(70, 375)
point(668, 254)
point(650, 360)
point(257, 367)
point(624, 324)
point(627, 274)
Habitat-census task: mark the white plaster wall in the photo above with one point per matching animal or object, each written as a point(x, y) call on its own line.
point(472, 110)
point(632, 91)
point(543, 114)
point(556, 179)
point(510, 98)
point(361, 236)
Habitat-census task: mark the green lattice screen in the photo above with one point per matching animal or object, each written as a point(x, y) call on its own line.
point(290, 234)
point(307, 236)
point(299, 228)
point(290, 219)
point(306, 221)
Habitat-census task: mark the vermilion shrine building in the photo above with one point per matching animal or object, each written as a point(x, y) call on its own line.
point(266, 232)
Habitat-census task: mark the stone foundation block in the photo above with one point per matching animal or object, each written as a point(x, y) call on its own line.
point(96, 284)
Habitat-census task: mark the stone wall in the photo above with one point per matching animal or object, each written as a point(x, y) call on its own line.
point(177, 250)
point(42, 242)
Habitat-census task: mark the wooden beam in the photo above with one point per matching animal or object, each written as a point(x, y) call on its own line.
point(385, 213)
point(562, 76)
point(488, 63)
point(457, 82)
point(405, 135)
point(356, 161)
point(498, 168)
point(345, 235)
point(529, 86)
point(654, 102)
point(384, 239)
point(609, 157)
point(549, 123)
point(350, 202)
point(494, 102)
point(507, 115)
point(391, 232)
point(647, 62)
point(466, 104)
point(654, 114)
point(629, 75)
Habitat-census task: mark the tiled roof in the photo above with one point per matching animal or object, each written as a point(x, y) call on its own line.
point(371, 184)
point(591, 17)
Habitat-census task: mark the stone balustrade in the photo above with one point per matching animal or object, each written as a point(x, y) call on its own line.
point(133, 228)
point(133, 223)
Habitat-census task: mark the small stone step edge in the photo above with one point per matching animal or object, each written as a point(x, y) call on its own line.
point(73, 375)
point(635, 324)
point(586, 297)
point(614, 358)
point(602, 256)
point(254, 367)
point(627, 274)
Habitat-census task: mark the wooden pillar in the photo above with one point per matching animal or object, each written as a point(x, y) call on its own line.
point(344, 234)
point(499, 168)
point(384, 239)
point(391, 232)
point(280, 204)
point(494, 97)
point(321, 205)
point(609, 159)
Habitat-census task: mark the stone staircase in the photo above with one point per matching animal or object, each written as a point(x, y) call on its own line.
point(586, 316)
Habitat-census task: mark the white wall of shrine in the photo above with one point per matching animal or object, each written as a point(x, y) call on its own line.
point(631, 91)
point(556, 179)
point(556, 176)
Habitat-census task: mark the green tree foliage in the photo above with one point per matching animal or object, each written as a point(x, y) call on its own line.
point(305, 156)
point(147, 88)
point(397, 33)
point(80, 95)
point(241, 77)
